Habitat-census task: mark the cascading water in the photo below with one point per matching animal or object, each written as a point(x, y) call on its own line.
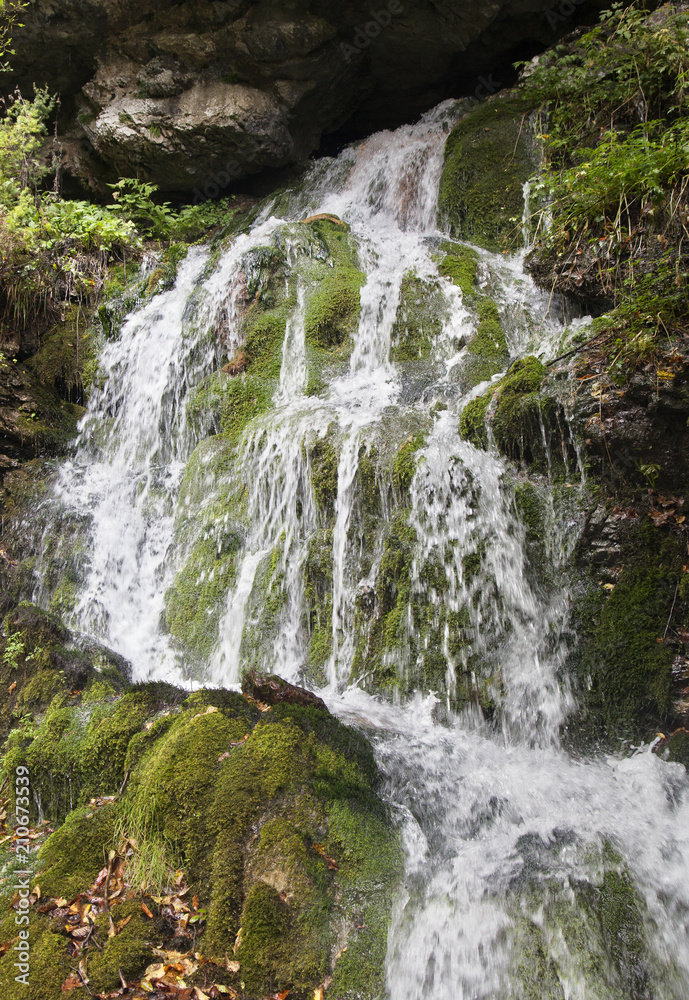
point(510, 842)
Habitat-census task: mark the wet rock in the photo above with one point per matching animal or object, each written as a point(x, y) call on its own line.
point(194, 97)
point(271, 690)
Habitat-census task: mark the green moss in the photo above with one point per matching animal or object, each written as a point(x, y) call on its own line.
point(419, 319)
point(487, 352)
point(626, 669)
point(129, 952)
point(460, 264)
point(254, 805)
point(65, 353)
point(42, 688)
point(324, 467)
point(72, 856)
point(195, 602)
point(678, 750)
point(333, 307)
point(516, 417)
point(80, 752)
point(49, 962)
point(488, 157)
point(404, 465)
point(472, 420)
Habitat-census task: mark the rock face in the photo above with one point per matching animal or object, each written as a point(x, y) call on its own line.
point(196, 95)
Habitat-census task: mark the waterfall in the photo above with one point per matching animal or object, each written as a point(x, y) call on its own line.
point(348, 496)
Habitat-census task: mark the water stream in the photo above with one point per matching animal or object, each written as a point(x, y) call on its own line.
point(508, 838)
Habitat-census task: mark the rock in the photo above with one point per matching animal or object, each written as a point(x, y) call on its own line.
point(33, 418)
point(198, 95)
point(288, 859)
point(271, 690)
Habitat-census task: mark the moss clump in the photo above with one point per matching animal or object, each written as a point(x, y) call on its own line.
point(39, 660)
point(72, 856)
point(460, 264)
point(79, 751)
point(324, 467)
point(678, 751)
point(516, 415)
point(487, 352)
point(275, 819)
point(404, 466)
point(333, 308)
point(196, 600)
point(49, 963)
point(65, 354)
point(419, 319)
point(517, 418)
point(472, 420)
point(488, 158)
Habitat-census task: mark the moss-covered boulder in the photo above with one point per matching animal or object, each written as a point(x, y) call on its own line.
point(272, 815)
point(488, 157)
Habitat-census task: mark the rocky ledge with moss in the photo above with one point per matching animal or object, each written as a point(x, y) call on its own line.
point(271, 812)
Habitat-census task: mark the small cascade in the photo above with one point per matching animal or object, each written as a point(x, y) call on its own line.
point(272, 476)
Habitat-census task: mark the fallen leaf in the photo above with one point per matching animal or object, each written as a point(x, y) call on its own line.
point(121, 924)
point(72, 982)
point(230, 965)
point(11, 687)
point(608, 586)
point(145, 909)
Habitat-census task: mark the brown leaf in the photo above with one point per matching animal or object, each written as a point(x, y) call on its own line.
point(332, 864)
point(72, 982)
point(145, 909)
point(121, 924)
point(11, 687)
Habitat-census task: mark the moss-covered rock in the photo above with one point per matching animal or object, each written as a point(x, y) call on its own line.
point(488, 157)
point(623, 665)
point(272, 814)
point(419, 320)
point(513, 410)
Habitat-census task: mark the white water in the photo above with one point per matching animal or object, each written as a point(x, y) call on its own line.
point(485, 813)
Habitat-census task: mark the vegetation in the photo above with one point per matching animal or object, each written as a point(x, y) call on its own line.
point(55, 254)
point(611, 201)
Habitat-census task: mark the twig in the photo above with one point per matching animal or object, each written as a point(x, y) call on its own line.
point(672, 609)
point(576, 350)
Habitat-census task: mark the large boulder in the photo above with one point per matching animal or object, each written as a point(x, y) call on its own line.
point(199, 94)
